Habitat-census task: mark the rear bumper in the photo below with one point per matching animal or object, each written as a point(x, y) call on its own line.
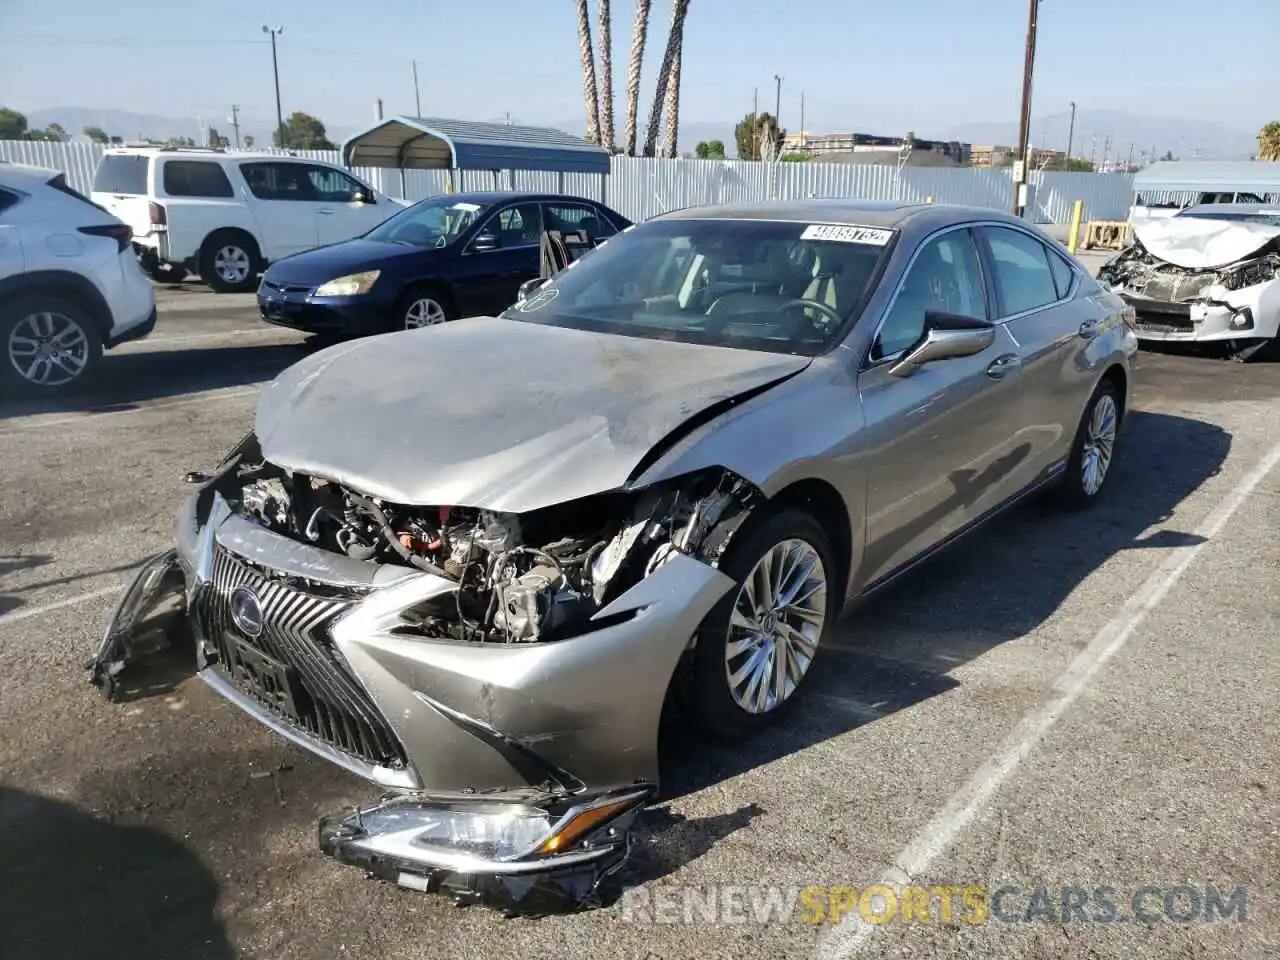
point(136, 332)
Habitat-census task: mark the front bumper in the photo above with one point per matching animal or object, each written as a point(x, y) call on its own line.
point(1218, 315)
point(295, 307)
point(566, 728)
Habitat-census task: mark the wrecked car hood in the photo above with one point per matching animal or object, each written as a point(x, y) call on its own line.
point(1199, 244)
point(498, 414)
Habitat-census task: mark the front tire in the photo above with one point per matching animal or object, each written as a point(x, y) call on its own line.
point(229, 262)
point(758, 645)
point(1093, 451)
point(51, 345)
point(423, 306)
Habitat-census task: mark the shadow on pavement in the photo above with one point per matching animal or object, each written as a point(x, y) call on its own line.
point(10, 565)
point(127, 379)
point(900, 648)
point(76, 886)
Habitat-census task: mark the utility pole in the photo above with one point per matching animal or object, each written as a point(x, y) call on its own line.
point(417, 97)
point(1071, 130)
point(1106, 153)
point(1024, 123)
point(802, 136)
point(755, 120)
point(235, 123)
point(777, 103)
point(1129, 166)
point(275, 69)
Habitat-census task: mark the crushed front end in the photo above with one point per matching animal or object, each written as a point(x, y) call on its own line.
point(1239, 301)
point(500, 678)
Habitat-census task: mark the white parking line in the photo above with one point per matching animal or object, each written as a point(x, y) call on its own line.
point(26, 613)
point(34, 423)
point(916, 858)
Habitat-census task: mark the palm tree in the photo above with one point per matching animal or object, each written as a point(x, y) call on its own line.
point(1269, 141)
point(606, 76)
point(673, 96)
point(678, 11)
point(639, 33)
point(588, 72)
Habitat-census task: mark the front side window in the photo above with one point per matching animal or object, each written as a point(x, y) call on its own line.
point(516, 226)
point(943, 278)
point(567, 217)
point(196, 178)
point(333, 186)
point(757, 285)
point(437, 222)
point(278, 181)
point(1022, 275)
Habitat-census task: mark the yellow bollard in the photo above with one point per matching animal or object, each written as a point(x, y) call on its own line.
point(1077, 214)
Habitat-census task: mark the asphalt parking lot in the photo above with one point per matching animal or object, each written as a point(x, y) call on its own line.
point(1085, 701)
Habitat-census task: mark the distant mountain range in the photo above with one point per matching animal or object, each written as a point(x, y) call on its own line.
point(1185, 138)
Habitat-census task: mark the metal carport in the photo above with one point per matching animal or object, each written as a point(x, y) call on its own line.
point(433, 143)
point(1182, 181)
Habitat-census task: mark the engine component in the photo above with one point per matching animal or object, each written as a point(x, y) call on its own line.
point(267, 501)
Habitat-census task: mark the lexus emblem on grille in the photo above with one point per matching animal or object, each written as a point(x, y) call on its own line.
point(246, 611)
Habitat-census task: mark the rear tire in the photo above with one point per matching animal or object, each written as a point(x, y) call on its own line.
point(49, 345)
point(754, 650)
point(230, 262)
point(1093, 450)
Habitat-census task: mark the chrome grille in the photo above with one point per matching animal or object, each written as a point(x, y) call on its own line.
point(318, 694)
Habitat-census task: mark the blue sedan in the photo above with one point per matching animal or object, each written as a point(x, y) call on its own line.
point(453, 256)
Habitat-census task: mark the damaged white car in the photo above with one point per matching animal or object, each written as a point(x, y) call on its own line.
point(472, 563)
point(1203, 277)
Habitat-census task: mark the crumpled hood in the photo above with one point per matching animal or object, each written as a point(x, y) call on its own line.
point(1200, 244)
point(498, 414)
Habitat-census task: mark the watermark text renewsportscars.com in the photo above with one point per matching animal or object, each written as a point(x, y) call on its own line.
point(941, 904)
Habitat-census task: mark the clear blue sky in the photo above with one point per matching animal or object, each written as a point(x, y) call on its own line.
point(910, 64)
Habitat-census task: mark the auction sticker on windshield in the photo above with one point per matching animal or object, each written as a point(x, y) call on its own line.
point(844, 233)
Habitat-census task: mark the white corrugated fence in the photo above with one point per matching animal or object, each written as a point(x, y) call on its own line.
point(643, 187)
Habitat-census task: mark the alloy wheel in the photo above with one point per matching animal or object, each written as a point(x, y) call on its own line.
point(1099, 444)
point(423, 312)
point(48, 349)
point(231, 264)
point(777, 621)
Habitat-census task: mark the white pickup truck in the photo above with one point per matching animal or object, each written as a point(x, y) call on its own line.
point(224, 216)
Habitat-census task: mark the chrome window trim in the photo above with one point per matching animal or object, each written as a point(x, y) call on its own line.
point(867, 362)
point(1071, 290)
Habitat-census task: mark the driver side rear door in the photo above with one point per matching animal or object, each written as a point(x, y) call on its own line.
point(943, 443)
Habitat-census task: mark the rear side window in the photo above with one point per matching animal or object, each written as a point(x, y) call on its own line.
point(565, 216)
point(1021, 266)
point(196, 178)
point(122, 174)
point(7, 200)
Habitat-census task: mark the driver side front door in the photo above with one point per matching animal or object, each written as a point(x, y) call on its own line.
point(943, 443)
point(489, 280)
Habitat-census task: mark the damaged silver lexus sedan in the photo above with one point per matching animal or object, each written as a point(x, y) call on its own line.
point(471, 563)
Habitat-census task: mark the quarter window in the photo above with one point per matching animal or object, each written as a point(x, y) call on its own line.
point(7, 199)
point(945, 277)
point(1063, 275)
point(1022, 274)
point(196, 178)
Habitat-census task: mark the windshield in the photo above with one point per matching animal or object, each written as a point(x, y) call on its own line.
point(758, 285)
point(432, 223)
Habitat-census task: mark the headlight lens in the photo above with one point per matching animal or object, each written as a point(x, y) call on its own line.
point(353, 284)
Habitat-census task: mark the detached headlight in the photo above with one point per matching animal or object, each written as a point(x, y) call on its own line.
point(352, 285)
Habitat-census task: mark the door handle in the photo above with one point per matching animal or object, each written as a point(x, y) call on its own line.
point(1088, 330)
point(325, 213)
point(1004, 365)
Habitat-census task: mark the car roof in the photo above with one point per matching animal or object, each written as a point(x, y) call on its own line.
point(197, 153)
point(863, 213)
point(26, 175)
point(505, 196)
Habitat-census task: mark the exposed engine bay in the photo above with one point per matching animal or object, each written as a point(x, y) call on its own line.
point(1145, 275)
point(532, 577)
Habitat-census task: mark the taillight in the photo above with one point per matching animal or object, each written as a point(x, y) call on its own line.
point(121, 232)
point(156, 214)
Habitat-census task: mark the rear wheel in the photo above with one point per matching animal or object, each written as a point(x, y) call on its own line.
point(1094, 449)
point(51, 345)
point(229, 262)
point(759, 643)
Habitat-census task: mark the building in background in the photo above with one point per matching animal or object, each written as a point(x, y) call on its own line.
point(990, 155)
point(821, 146)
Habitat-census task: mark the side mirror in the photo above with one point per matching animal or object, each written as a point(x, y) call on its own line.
point(946, 336)
point(484, 243)
point(364, 196)
point(528, 287)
